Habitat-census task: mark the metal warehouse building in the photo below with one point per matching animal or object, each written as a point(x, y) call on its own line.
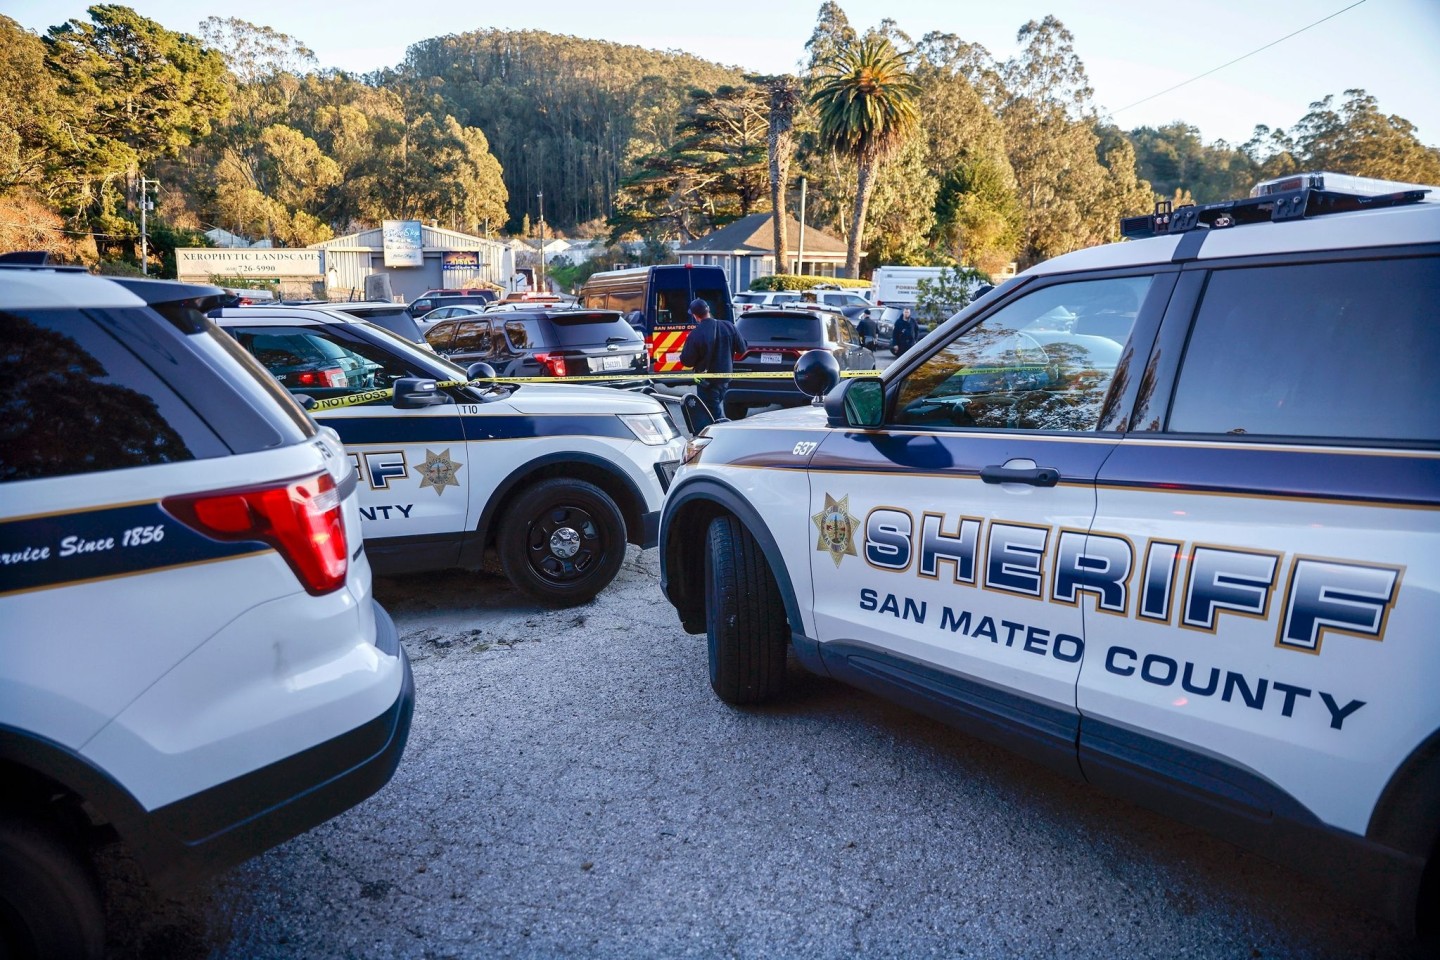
point(450, 259)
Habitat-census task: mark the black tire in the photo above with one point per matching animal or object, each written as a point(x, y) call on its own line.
point(553, 518)
point(745, 622)
point(50, 907)
point(735, 411)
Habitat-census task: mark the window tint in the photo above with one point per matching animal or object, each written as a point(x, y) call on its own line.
point(524, 334)
point(1044, 362)
point(590, 329)
point(472, 337)
point(672, 307)
point(318, 363)
point(1345, 350)
point(439, 336)
point(76, 401)
point(798, 328)
point(718, 299)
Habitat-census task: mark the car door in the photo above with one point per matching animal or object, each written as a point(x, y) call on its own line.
point(944, 565)
point(1274, 643)
point(413, 485)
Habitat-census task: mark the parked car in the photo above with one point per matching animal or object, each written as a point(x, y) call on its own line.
point(776, 338)
point(423, 304)
point(1161, 515)
point(750, 300)
point(194, 662)
point(543, 343)
point(553, 480)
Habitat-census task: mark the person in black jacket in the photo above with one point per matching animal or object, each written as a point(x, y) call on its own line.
point(905, 334)
point(711, 348)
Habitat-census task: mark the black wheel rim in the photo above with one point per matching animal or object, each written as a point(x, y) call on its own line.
point(564, 545)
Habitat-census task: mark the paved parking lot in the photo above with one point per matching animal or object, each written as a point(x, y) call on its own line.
point(572, 788)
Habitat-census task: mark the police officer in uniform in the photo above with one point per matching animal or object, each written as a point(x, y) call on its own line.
point(905, 334)
point(711, 348)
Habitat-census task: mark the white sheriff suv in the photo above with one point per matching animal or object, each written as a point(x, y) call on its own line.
point(191, 658)
point(555, 479)
point(1163, 515)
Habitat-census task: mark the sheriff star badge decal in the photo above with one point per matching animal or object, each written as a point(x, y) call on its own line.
point(439, 471)
point(837, 528)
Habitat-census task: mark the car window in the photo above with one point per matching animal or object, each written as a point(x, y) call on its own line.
point(439, 335)
point(1043, 362)
point(1344, 350)
point(472, 337)
point(590, 329)
point(441, 313)
point(523, 334)
point(76, 401)
point(316, 362)
point(796, 328)
point(672, 306)
point(718, 299)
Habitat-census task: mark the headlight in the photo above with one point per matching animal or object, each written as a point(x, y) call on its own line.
point(651, 429)
point(694, 445)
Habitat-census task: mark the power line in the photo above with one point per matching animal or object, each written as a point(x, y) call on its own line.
point(1239, 58)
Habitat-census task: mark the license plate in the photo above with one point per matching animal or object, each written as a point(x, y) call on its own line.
point(769, 358)
point(672, 357)
point(614, 363)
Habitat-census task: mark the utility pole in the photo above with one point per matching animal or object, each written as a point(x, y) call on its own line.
point(541, 288)
point(144, 224)
point(800, 250)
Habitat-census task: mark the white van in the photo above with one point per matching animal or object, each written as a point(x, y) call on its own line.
point(899, 286)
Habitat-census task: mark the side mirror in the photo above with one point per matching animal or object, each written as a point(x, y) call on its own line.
point(858, 402)
point(414, 392)
point(816, 373)
point(480, 370)
point(304, 399)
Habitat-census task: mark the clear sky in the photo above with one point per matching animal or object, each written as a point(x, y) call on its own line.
point(1132, 49)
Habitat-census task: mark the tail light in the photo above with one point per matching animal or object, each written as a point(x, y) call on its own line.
point(333, 377)
point(301, 519)
point(789, 353)
point(552, 362)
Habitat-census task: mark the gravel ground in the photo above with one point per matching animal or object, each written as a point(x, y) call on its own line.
point(573, 788)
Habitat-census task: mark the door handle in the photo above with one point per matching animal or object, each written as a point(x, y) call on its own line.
point(1035, 476)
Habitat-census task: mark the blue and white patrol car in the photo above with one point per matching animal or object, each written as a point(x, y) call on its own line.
point(554, 479)
point(191, 658)
point(1163, 514)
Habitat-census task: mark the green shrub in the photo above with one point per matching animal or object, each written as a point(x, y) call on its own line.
point(791, 281)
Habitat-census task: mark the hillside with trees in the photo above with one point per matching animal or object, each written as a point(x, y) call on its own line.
point(914, 149)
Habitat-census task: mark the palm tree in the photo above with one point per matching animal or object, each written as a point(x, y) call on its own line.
point(784, 91)
point(866, 100)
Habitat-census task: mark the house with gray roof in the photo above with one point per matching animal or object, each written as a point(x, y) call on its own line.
point(746, 250)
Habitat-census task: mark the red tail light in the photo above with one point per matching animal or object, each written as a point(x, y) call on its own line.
point(552, 362)
point(333, 377)
point(789, 353)
point(300, 519)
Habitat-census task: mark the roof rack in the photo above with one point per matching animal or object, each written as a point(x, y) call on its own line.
point(1295, 197)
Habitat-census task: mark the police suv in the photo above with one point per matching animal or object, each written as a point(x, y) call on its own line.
point(553, 479)
point(1163, 515)
point(191, 659)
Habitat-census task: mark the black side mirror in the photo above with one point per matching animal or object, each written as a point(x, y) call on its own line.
point(816, 373)
point(857, 402)
point(480, 370)
point(414, 392)
point(305, 400)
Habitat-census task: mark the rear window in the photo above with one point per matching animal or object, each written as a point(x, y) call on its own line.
point(749, 298)
point(719, 300)
point(1344, 350)
point(589, 329)
point(800, 328)
point(76, 401)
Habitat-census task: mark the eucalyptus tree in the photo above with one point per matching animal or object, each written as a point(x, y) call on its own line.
point(866, 101)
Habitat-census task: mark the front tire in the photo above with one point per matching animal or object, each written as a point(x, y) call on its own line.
point(562, 541)
point(50, 905)
point(745, 623)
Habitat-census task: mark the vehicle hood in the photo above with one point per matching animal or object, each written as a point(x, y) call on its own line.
point(544, 398)
point(806, 416)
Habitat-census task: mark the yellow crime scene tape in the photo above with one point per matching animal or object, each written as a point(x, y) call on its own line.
point(369, 396)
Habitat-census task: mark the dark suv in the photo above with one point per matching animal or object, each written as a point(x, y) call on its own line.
point(776, 338)
point(424, 303)
point(544, 343)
